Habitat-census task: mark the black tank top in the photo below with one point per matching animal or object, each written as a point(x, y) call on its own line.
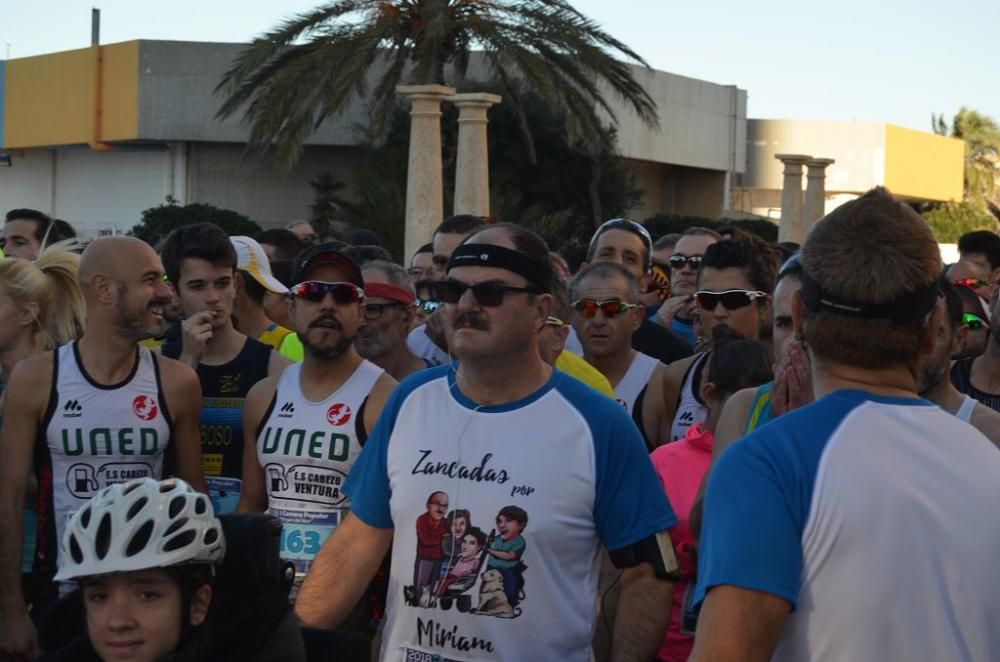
point(961, 377)
point(224, 388)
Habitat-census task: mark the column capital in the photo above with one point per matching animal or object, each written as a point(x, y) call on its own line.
point(793, 160)
point(474, 99)
point(818, 165)
point(426, 91)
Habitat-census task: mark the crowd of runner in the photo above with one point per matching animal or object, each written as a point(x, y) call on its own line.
point(279, 448)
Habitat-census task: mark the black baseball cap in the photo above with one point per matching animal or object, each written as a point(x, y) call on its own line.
point(328, 253)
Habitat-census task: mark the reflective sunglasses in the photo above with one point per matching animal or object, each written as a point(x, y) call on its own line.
point(677, 261)
point(427, 305)
point(973, 321)
point(489, 294)
point(730, 299)
point(612, 308)
point(373, 311)
point(973, 283)
point(316, 291)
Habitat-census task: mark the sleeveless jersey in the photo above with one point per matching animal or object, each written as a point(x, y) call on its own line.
point(307, 450)
point(964, 412)
point(634, 381)
point(690, 408)
point(94, 436)
point(224, 389)
point(961, 377)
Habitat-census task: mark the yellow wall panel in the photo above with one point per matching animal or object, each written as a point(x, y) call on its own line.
point(49, 99)
point(923, 165)
point(120, 101)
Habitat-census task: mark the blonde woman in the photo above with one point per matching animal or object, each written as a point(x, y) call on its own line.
point(41, 307)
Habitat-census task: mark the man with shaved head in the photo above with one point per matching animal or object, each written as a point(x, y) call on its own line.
point(557, 470)
point(92, 413)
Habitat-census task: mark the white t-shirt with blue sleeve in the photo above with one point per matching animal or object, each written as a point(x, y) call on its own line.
point(517, 499)
point(874, 518)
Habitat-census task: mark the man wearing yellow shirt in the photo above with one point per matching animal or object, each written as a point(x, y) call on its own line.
point(255, 280)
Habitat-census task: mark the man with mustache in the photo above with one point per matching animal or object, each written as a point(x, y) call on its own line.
point(201, 263)
point(88, 414)
point(304, 428)
point(500, 430)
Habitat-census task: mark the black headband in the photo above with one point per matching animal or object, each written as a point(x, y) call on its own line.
point(536, 271)
point(904, 308)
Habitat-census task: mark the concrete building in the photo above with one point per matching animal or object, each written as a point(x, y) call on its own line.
point(914, 165)
point(96, 135)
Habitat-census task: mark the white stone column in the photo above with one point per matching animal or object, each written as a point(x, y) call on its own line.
point(424, 180)
point(472, 168)
point(815, 207)
point(791, 227)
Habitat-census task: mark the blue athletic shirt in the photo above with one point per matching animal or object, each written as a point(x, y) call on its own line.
point(875, 518)
point(564, 468)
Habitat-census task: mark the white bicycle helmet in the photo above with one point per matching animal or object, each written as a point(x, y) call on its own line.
point(140, 524)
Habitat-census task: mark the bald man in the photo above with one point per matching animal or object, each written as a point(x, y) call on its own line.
point(94, 412)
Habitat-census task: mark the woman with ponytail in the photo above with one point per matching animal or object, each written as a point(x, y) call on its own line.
point(41, 307)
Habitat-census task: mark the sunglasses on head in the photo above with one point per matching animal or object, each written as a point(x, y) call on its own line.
point(974, 283)
point(677, 261)
point(489, 293)
point(612, 308)
point(730, 299)
point(316, 291)
point(973, 321)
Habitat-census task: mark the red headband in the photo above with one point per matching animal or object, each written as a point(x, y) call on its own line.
point(387, 291)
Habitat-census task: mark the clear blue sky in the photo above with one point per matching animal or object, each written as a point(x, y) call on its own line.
point(893, 61)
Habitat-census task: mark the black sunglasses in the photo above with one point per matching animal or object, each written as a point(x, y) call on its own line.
point(730, 299)
point(489, 294)
point(677, 261)
point(316, 291)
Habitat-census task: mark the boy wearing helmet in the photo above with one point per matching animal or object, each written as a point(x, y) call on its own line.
point(143, 553)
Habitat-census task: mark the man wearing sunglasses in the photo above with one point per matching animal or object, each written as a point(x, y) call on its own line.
point(982, 248)
point(501, 431)
point(975, 320)
point(386, 315)
point(305, 427)
point(850, 518)
point(935, 384)
point(677, 312)
point(428, 340)
point(972, 275)
point(735, 279)
point(201, 262)
point(606, 312)
point(980, 376)
point(628, 244)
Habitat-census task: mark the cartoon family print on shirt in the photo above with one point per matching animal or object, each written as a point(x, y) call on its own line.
point(452, 555)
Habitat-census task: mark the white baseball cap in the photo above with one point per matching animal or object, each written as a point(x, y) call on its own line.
point(250, 257)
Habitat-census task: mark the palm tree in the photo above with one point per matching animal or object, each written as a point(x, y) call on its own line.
point(310, 67)
point(982, 153)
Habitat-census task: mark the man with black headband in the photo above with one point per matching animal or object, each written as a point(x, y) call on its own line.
point(627, 243)
point(861, 526)
point(304, 428)
point(548, 467)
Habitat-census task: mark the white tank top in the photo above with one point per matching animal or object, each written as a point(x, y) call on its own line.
point(306, 450)
point(690, 409)
point(100, 435)
point(634, 380)
point(964, 412)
